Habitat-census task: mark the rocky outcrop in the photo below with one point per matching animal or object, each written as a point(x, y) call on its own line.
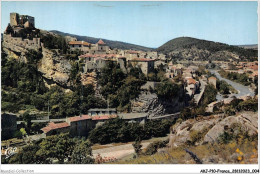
point(150, 103)
point(54, 67)
point(212, 127)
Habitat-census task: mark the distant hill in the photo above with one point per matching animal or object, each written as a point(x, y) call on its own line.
point(112, 44)
point(196, 49)
point(251, 46)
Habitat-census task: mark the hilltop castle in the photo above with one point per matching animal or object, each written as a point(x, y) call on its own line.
point(24, 21)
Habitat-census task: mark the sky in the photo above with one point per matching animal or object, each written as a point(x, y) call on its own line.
point(144, 23)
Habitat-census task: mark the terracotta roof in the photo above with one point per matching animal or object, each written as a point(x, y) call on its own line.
point(212, 78)
point(79, 43)
point(103, 117)
point(78, 118)
point(52, 126)
point(142, 60)
point(101, 42)
point(253, 67)
point(191, 81)
point(132, 52)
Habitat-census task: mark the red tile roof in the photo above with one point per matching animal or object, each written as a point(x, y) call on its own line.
point(142, 60)
point(191, 81)
point(213, 78)
point(101, 42)
point(103, 117)
point(52, 126)
point(78, 118)
point(79, 43)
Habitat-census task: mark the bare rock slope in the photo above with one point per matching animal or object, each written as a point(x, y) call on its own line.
point(212, 127)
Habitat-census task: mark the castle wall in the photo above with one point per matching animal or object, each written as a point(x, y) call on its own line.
point(14, 19)
point(14, 42)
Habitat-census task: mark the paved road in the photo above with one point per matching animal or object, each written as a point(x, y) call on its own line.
point(242, 90)
point(117, 152)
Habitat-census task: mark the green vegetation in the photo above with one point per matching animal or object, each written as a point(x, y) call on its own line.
point(239, 78)
point(58, 147)
point(213, 47)
point(237, 105)
point(194, 110)
point(118, 130)
point(197, 136)
point(54, 42)
point(167, 90)
point(23, 88)
point(153, 147)
point(120, 88)
point(224, 88)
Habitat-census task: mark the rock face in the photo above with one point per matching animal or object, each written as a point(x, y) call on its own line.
point(150, 103)
point(214, 126)
point(54, 67)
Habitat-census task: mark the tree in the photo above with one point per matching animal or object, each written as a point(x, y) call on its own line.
point(137, 146)
point(82, 153)
point(27, 156)
point(27, 118)
point(57, 147)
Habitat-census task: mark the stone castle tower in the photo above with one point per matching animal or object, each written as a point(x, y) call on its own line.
point(22, 20)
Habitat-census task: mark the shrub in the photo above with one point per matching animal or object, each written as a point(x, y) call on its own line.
point(153, 147)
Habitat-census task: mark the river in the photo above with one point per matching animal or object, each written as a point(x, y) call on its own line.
point(242, 90)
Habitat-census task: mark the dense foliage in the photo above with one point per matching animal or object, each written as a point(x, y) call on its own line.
point(120, 88)
point(194, 110)
point(23, 88)
point(167, 90)
point(57, 147)
point(54, 42)
point(224, 88)
point(239, 78)
point(237, 105)
point(118, 130)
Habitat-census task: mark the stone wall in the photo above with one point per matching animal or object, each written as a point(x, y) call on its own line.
point(21, 45)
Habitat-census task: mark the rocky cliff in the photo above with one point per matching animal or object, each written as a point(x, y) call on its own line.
point(208, 129)
point(54, 68)
point(150, 103)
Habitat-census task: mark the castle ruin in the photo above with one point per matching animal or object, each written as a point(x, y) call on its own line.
point(24, 21)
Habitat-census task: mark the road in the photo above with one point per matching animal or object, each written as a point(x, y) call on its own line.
point(242, 90)
point(117, 152)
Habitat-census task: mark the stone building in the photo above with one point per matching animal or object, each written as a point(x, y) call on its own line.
point(146, 65)
point(80, 125)
point(8, 125)
point(99, 61)
point(21, 20)
point(80, 45)
point(192, 86)
point(99, 48)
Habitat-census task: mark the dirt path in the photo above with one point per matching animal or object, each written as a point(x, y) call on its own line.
point(117, 152)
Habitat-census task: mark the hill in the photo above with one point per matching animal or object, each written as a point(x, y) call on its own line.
point(251, 46)
point(196, 49)
point(112, 44)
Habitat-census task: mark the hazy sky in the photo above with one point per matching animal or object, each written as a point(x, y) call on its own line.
point(149, 24)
